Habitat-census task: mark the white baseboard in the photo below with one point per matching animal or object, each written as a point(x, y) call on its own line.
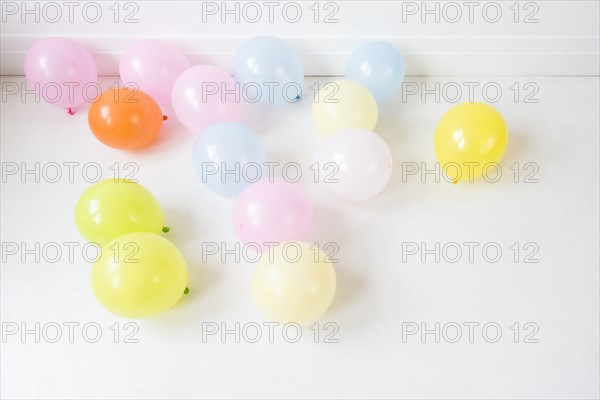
point(563, 42)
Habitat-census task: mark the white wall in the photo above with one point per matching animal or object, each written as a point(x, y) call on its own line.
point(456, 38)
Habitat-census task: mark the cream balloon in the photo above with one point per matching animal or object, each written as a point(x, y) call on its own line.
point(343, 105)
point(294, 282)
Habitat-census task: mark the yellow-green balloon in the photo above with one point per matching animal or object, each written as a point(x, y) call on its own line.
point(139, 274)
point(113, 207)
point(295, 282)
point(343, 105)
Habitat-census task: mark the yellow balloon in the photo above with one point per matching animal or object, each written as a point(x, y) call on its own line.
point(113, 207)
point(294, 282)
point(470, 139)
point(139, 274)
point(342, 105)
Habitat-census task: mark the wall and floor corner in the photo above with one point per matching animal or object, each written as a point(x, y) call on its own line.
point(483, 290)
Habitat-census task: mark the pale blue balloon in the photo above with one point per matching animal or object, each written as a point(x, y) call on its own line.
point(228, 157)
point(269, 71)
point(379, 67)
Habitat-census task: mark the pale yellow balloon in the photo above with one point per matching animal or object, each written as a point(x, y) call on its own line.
point(294, 282)
point(343, 105)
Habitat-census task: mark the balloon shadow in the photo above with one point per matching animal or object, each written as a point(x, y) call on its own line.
point(345, 308)
point(202, 279)
point(328, 226)
point(394, 129)
point(178, 223)
point(263, 117)
point(330, 232)
point(171, 134)
point(201, 276)
point(519, 145)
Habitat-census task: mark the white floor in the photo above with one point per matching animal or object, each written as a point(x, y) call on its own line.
point(555, 302)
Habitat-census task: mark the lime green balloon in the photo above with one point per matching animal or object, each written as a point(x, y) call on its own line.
point(139, 274)
point(113, 207)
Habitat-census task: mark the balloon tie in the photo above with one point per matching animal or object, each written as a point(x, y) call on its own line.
point(70, 111)
point(165, 118)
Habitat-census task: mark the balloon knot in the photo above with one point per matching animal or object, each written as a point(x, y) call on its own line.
point(165, 118)
point(186, 291)
point(166, 229)
point(70, 111)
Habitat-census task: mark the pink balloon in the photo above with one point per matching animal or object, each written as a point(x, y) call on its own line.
point(62, 71)
point(205, 95)
point(153, 66)
point(275, 211)
point(354, 164)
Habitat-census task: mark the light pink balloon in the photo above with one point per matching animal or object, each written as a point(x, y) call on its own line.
point(354, 164)
point(205, 95)
point(153, 66)
point(275, 211)
point(62, 71)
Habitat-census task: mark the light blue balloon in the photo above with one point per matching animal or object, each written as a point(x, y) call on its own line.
point(379, 67)
point(228, 157)
point(269, 71)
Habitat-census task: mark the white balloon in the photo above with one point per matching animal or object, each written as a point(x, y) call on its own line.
point(354, 164)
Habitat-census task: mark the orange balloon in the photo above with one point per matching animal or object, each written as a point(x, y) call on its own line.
point(125, 118)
